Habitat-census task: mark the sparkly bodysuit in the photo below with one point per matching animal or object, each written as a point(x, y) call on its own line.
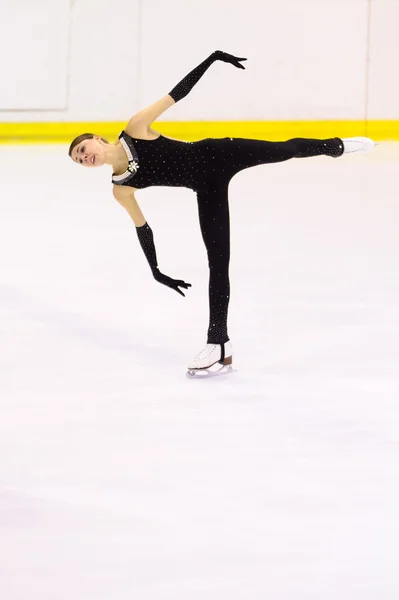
point(196, 165)
point(207, 166)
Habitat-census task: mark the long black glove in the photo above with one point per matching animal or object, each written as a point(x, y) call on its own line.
point(186, 85)
point(146, 239)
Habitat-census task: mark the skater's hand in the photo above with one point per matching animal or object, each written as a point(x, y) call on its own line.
point(229, 58)
point(174, 284)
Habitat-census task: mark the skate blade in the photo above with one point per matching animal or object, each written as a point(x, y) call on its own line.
point(214, 371)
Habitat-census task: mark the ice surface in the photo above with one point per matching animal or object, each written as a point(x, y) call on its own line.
point(120, 478)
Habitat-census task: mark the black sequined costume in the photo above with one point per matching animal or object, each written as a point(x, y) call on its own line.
point(207, 166)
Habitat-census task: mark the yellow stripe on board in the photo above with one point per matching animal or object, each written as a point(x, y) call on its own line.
point(16, 133)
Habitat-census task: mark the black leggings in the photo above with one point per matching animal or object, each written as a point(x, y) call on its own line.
point(230, 157)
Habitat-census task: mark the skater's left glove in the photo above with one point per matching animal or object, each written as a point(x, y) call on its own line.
point(146, 239)
point(229, 58)
point(186, 85)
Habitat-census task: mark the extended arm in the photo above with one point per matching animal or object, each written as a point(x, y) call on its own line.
point(145, 117)
point(145, 236)
point(186, 85)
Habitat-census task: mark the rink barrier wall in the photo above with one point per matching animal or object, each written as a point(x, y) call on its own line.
point(14, 133)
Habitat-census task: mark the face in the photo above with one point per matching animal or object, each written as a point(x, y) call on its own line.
point(89, 153)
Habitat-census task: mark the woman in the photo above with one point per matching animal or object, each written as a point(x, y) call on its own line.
point(142, 157)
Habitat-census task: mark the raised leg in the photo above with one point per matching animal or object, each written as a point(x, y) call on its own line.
point(236, 154)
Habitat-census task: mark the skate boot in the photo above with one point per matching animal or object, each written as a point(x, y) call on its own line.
point(214, 359)
point(357, 144)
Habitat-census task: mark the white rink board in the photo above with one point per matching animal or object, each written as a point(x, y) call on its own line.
point(384, 53)
point(34, 45)
point(306, 60)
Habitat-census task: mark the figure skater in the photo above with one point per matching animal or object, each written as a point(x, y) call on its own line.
point(141, 157)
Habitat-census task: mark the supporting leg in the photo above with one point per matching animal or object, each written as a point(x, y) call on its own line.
point(213, 210)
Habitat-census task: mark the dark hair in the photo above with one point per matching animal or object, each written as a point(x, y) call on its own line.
point(81, 138)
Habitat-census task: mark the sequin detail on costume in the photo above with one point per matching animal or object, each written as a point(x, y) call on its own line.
point(132, 157)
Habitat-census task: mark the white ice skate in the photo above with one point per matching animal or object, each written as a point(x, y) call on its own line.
point(214, 359)
point(357, 144)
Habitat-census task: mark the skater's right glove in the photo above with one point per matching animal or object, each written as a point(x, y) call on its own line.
point(146, 239)
point(174, 284)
